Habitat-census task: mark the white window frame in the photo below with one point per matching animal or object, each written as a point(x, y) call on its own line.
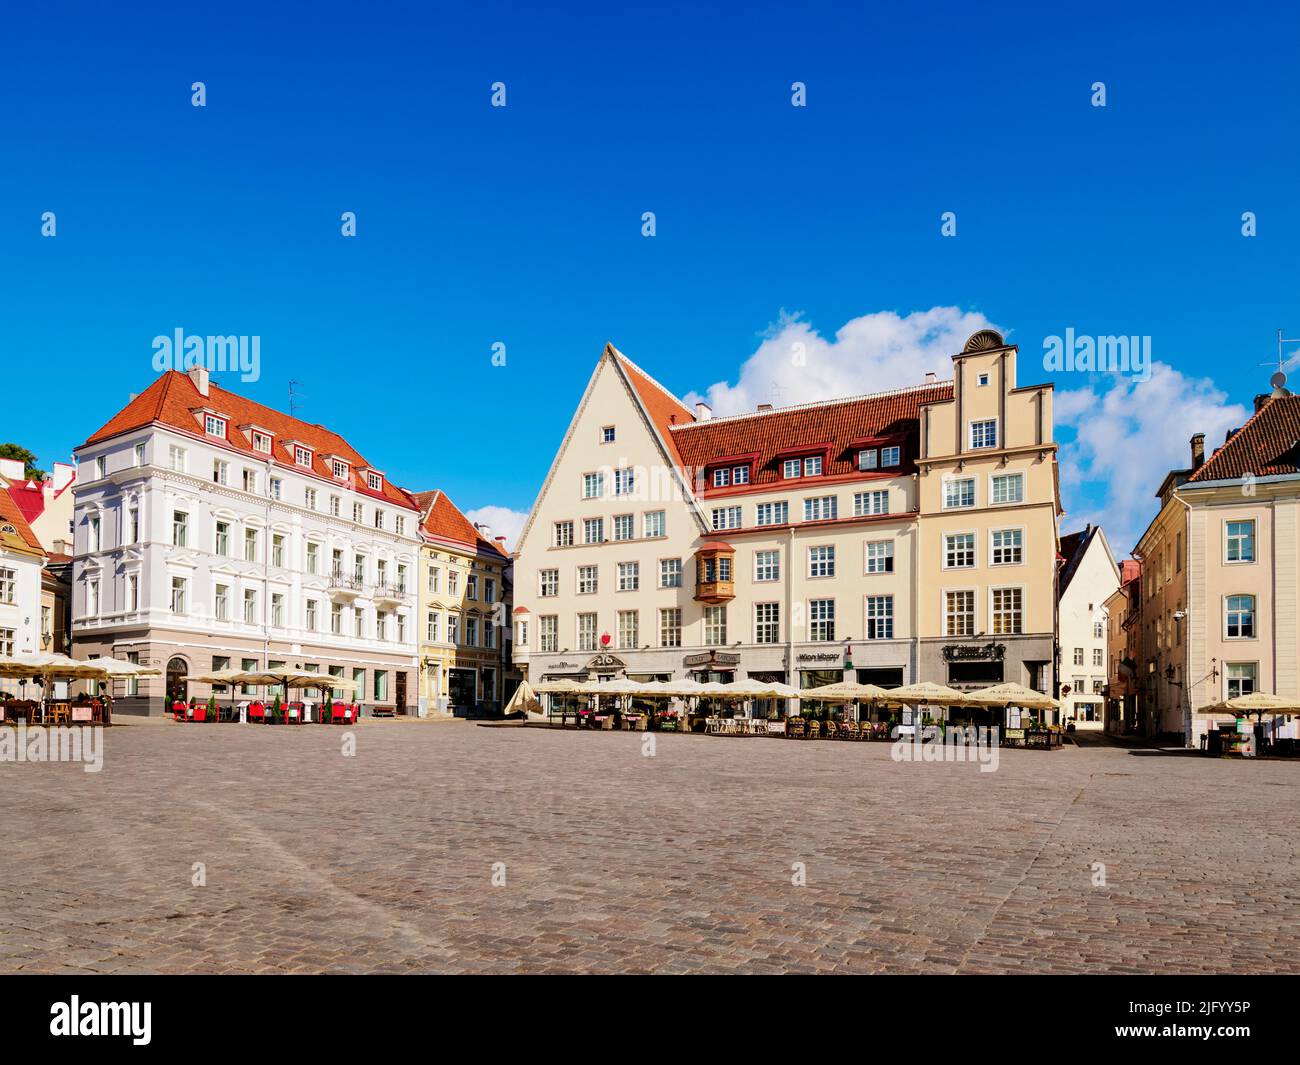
point(974, 549)
point(1021, 530)
point(974, 493)
point(1018, 475)
point(975, 423)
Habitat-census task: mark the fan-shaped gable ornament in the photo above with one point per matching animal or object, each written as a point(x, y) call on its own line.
point(984, 340)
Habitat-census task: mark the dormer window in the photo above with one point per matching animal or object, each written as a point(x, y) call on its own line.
point(213, 425)
point(302, 456)
point(261, 442)
point(721, 477)
point(868, 458)
point(891, 456)
point(812, 466)
point(374, 481)
point(791, 468)
point(340, 469)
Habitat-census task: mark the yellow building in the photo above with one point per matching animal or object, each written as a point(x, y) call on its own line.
point(463, 612)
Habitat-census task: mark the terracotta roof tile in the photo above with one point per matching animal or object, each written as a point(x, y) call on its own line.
point(443, 519)
point(11, 514)
point(172, 399)
point(892, 416)
point(1269, 443)
point(662, 406)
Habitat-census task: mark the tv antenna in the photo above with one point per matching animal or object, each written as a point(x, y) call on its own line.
point(1283, 360)
point(293, 398)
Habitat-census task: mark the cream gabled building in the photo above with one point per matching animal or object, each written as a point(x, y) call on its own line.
point(908, 535)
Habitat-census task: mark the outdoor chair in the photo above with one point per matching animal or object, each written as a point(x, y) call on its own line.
point(179, 711)
point(293, 713)
point(257, 712)
point(797, 728)
point(608, 724)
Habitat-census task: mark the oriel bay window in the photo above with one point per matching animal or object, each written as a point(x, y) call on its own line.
point(714, 566)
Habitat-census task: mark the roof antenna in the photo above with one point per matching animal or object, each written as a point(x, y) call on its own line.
point(293, 399)
point(1283, 361)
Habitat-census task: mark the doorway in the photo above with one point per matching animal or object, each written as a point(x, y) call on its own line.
point(399, 690)
point(178, 688)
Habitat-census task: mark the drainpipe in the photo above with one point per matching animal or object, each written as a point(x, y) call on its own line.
point(789, 621)
point(1187, 636)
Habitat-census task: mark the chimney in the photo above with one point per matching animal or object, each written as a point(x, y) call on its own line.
point(500, 540)
point(703, 412)
point(199, 375)
point(764, 406)
point(1198, 450)
point(484, 530)
point(64, 474)
point(930, 377)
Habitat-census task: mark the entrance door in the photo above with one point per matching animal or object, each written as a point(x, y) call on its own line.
point(461, 690)
point(177, 681)
point(400, 692)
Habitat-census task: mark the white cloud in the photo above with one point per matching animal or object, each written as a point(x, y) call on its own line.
point(872, 353)
point(502, 520)
point(1128, 436)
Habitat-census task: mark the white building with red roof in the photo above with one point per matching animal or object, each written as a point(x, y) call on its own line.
point(21, 560)
point(213, 532)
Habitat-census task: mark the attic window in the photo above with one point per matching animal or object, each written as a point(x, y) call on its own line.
point(214, 426)
point(375, 481)
point(261, 442)
point(339, 469)
point(302, 456)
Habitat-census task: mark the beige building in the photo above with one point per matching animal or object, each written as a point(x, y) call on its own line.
point(894, 537)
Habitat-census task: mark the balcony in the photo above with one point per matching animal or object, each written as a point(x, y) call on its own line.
point(715, 567)
point(345, 585)
point(389, 592)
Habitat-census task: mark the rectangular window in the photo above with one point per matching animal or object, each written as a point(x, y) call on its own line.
point(431, 627)
point(868, 503)
point(821, 619)
point(548, 583)
point(93, 533)
point(812, 466)
point(791, 468)
point(1240, 677)
point(587, 580)
point(133, 526)
point(958, 492)
point(139, 456)
point(180, 528)
point(92, 598)
point(339, 469)
point(767, 622)
point(359, 513)
point(820, 508)
point(1240, 541)
point(176, 458)
point(308, 498)
point(336, 502)
point(471, 586)
point(670, 627)
point(261, 442)
point(868, 459)
point(880, 617)
point(821, 561)
point(277, 549)
point(721, 477)
point(132, 592)
point(623, 527)
point(1008, 547)
point(250, 545)
point(628, 630)
point(179, 587)
point(471, 631)
point(959, 613)
point(1240, 620)
point(221, 602)
point(336, 619)
point(1078, 656)
point(250, 606)
point(629, 576)
point(959, 551)
point(302, 457)
point(1008, 488)
point(220, 472)
point(654, 524)
point(772, 513)
point(984, 433)
point(374, 481)
point(593, 485)
point(767, 565)
point(607, 434)
point(715, 626)
point(564, 534)
point(549, 632)
point(593, 531)
point(453, 583)
point(624, 481)
point(1097, 656)
point(312, 612)
point(740, 475)
point(435, 579)
point(726, 518)
point(250, 481)
point(213, 426)
point(222, 539)
point(586, 632)
point(880, 556)
point(670, 573)
point(891, 456)
point(1008, 611)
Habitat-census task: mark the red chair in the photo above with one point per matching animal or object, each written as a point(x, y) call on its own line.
point(257, 712)
point(179, 710)
point(343, 714)
point(293, 713)
point(200, 713)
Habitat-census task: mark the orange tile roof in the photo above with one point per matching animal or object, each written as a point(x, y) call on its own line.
point(836, 423)
point(442, 519)
point(11, 514)
point(662, 406)
point(1269, 443)
point(172, 399)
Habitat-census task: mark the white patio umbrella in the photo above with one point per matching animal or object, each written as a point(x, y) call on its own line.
point(525, 701)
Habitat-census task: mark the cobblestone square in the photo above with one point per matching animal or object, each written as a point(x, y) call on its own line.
point(613, 861)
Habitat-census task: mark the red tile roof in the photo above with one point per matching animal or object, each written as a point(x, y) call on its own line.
point(172, 399)
point(29, 497)
point(443, 520)
point(1129, 570)
point(662, 406)
point(1269, 443)
point(837, 422)
point(11, 514)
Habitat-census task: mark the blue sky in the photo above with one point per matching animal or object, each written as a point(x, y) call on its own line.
point(522, 225)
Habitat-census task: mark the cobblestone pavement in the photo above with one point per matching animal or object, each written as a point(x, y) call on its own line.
point(681, 862)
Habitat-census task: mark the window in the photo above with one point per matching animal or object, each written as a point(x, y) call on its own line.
point(339, 469)
point(880, 617)
point(358, 622)
point(654, 524)
point(93, 533)
point(767, 565)
point(132, 592)
point(277, 611)
point(726, 518)
point(1098, 632)
point(868, 459)
point(740, 475)
point(891, 456)
point(593, 485)
point(399, 524)
point(670, 573)
point(629, 576)
point(880, 556)
point(1078, 656)
point(721, 477)
point(453, 628)
point(222, 539)
point(261, 442)
point(374, 481)
point(586, 632)
point(959, 550)
point(1008, 488)
point(336, 504)
point(716, 568)
point(821, 619)
point(453, 582)
point(179, 585)
point(214, 426)
point(959, 613)
point(471, 586)
point(250, 545)
point(549, 632)
point(958, 492)
point(180, 528)
point(821, 561)
point(435, 579)
point(624, 482)
point(1240, 617)
point(381, 685)
point(868, 503)
point(1097, 656)
point(381, 625)
point(250, 606)
point(176, 458)
point(587, 580)
point(6, 642)
point(820, 508)
point(715, 626)
point(548, 583)
point(767, 622)
point(607, 434)
point(379, 518)
point(92, 597)
point(593, 530)
point(1240, 541)
point(623, 527)
point(670, 627)
point(139, 455)
point(133, 525)
point(1007, 547)
point(984, 433)
point(628, 629)
point(336, 619)
point(220, 471)
point(772, 513)
point(791, 468)
point(308, 498)
point(982, 380)
point(358, 513)
point(250, 481)
point(1240, 677)
point(471, 631)
point(812, 466)
point(431, 627)
point(277, 549)
point(312, 612)
point(1008, 610)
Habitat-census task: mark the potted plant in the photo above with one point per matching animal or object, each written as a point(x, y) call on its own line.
point(212, 708)
point(277, 711)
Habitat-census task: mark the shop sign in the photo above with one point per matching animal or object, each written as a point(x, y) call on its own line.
point(820, 656)
point(1015, 734)
point(712, 658)
point(965, 652)
point(605, 664)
